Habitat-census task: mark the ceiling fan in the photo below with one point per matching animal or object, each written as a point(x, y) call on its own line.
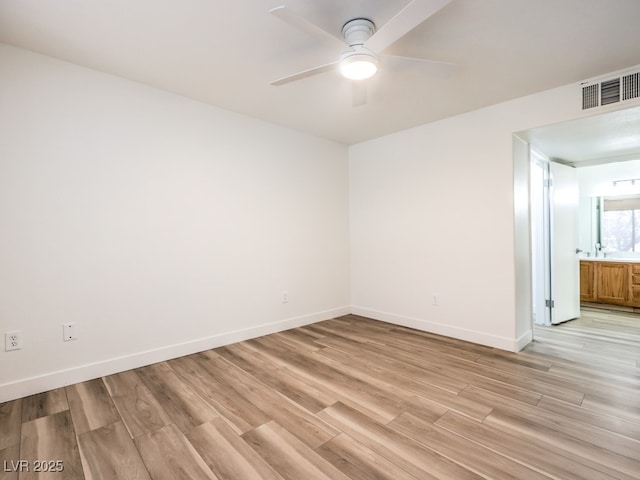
point(365, 43)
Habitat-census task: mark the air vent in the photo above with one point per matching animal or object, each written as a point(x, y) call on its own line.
point(631, 86)
point(610, 92)
point(597, 93)
point(590, 96)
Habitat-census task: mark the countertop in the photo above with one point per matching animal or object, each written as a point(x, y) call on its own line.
point(610, 259)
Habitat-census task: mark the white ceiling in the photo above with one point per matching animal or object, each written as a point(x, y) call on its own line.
point(225, 52)
point(604, 138)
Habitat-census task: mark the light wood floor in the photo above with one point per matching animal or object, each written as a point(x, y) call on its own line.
point(599, 337)
point(349, 398)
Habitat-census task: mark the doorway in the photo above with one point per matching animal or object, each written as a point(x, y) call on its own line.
point(596, 140)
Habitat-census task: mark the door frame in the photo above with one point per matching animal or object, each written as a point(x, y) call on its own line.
point(541, 265)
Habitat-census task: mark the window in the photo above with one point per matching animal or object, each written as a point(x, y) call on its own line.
point(621, 224)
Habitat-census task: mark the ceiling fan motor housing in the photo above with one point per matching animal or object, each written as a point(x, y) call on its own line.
point(359, 62)
point(358, 31)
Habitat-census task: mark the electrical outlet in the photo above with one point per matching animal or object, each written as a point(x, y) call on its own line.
point(435, 300)
point(69, 332)
point(285, 296)
point(12, 341)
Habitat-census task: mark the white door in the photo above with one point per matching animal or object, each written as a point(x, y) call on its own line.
point(565, 263)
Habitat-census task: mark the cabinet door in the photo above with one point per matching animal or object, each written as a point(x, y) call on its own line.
point(635, 285)
point(586, 282)
point(612, 283)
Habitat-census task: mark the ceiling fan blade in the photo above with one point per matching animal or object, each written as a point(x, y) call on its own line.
point(404, 21)
point(358, 93)
point(434, 66)
point(304, 74)
point(286, 15)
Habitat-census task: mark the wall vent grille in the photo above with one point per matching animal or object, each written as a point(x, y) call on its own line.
point(590, 96)
point(610, 91)
point(631, 86)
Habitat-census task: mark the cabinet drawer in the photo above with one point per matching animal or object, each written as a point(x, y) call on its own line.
point(635, 268)
point(635, 279)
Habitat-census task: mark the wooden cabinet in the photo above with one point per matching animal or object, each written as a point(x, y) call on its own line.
point(587, 293)
point(635, 284)
point(613, 283)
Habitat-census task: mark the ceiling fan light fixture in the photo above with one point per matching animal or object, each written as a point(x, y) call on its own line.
point(358, 65)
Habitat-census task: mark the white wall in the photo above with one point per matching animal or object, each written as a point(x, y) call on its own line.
point(160, 225)
point(598, 180)
point(164, 226)
point(433, 213)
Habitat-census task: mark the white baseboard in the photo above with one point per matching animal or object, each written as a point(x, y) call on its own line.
point(524, 340)
point(81, 373)
point(503, 343)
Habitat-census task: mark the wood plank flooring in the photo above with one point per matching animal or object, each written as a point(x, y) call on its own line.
point(349, 398)
point(599, 337)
